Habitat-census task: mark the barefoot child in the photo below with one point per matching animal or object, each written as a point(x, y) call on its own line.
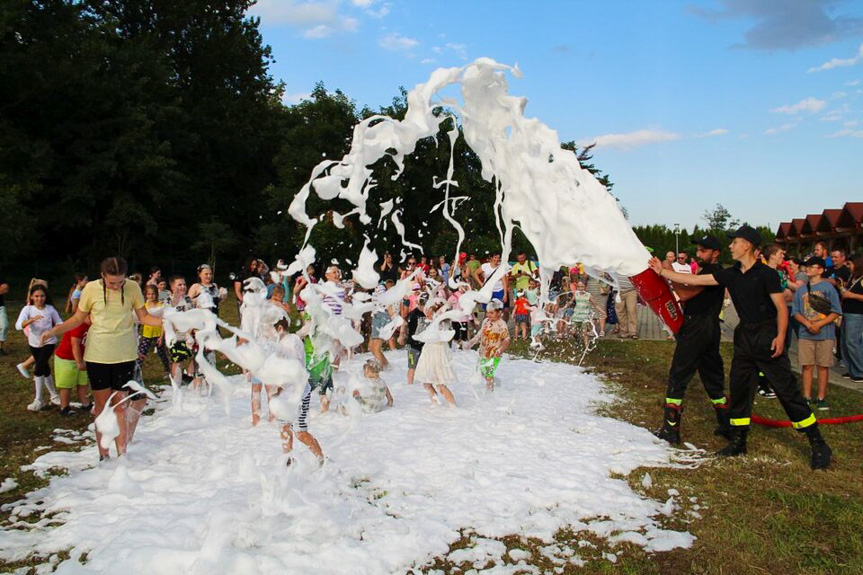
point(379, 395)
point(493, 338)
point(287, 431)
point(434, 368)
point(415, 324)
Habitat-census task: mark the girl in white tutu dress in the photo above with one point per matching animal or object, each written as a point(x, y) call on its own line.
point(434, 368)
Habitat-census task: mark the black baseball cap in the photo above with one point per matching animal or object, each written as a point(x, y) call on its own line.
point(710, 242)
point(815, 261)
point(748, 233)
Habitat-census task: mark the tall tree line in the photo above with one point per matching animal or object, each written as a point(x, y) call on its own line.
point(153, 129)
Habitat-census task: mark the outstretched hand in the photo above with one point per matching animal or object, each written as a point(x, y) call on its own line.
point(655, 264)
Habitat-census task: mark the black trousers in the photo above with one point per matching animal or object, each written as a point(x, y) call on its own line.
point(42, 355)
point(751, 355)
point(697, 350)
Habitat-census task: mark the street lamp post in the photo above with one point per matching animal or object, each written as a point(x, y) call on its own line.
point(676, 239)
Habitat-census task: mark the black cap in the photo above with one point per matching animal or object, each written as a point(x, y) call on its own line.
point(709, 242)
point(815, 261)
point(748, 233)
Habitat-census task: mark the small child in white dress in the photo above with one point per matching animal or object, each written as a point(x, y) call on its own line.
point(434, 368)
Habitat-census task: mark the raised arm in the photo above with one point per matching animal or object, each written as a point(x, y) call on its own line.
point(702, 280)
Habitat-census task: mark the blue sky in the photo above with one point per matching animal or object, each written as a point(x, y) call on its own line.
point(754, 104)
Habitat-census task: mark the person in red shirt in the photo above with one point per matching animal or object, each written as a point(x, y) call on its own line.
point(522, 315)
point(70, 371)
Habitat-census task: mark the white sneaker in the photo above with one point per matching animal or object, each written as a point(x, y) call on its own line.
point(55, 400)
point(23, 371)
point(37, 405)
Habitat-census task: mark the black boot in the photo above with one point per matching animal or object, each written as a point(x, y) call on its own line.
point(723, 420)
point(821, 452)
point(737, 443)
point(670, 430)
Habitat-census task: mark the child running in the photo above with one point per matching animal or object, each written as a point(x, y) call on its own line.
point(38, 317)
point(434, 367)
point(379, 395)
point(493, 338)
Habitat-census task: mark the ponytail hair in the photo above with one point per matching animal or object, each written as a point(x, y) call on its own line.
point(34, 282)
point(78, 279)
point(113, 266)
point(40, 285)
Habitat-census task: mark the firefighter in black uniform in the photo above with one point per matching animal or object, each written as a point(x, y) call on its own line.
point(698, 346)
point(759, 343)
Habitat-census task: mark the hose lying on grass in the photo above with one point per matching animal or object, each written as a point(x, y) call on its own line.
point(827, 421)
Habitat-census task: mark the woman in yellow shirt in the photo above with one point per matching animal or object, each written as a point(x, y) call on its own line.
point(111, 342)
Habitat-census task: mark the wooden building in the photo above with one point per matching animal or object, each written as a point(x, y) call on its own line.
point(838, 228)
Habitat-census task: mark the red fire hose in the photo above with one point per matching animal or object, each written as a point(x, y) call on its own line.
point(785, 423)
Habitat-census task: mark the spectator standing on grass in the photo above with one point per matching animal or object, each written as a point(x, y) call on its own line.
point(852, 321)
point(38, 317)
point(816, 306)
point(627, 309)
point(110, 352)
point(4, 318)
point(759, 343)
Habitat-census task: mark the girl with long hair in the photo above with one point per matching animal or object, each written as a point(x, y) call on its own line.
point(111, 348)
point(39, 316)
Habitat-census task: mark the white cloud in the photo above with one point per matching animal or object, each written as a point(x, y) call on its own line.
point(846, 133)
point(853, 83)
point(839, 62)
point(427, 61)
point(780, 129)
point(810, 105)
point(632, 139)
point(459, 49)
point(398, 43)
point(316, 19)
point(712, 133)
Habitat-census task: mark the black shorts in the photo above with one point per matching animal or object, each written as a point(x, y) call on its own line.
point(110, 375)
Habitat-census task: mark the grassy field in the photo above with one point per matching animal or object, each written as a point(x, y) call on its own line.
point(763, 513)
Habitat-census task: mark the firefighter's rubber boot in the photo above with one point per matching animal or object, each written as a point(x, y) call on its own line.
point(670, 430)
point(821, 452)
point(737, 443)
point(723, 420)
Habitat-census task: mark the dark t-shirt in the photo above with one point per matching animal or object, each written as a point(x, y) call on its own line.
point(751, 291)
point(417, 320)
point(709, 301)
point(391, 274)
point(854, 306)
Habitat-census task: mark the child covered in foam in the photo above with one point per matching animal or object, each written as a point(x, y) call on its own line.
point(376, 394)
point(289, 346)
point(493, 338)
